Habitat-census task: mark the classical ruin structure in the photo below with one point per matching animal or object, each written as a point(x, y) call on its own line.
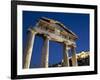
point(55, 31)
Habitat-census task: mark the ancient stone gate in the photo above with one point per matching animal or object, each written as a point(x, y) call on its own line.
point(51, 30)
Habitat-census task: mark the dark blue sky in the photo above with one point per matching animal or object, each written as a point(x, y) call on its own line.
point(78, 23)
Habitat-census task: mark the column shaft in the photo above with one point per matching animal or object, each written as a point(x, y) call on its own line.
point(45, 53)
point(65, 56)
point(74, 57)
point(29, 47)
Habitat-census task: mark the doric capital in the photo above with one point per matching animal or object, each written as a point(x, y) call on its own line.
point(66, 45)
point(32, 30)
point(72, 46)
point(46, 36)
point(65, 42)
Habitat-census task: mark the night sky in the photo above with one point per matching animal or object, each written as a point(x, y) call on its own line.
point(78, 23)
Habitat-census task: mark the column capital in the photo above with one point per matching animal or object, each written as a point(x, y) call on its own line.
point(72, 46)
point(32, 30)
point(66, 45)
point(46, 36)
point(65, 42)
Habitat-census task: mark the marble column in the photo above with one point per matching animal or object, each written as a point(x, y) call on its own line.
point(65, 56)
point(29, 46)
point(74, 57)
point(45, 53)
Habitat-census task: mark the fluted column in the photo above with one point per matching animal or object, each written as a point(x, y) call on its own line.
point(29, 46)
point(65, 56)
point(74, 57)
point(45, 53)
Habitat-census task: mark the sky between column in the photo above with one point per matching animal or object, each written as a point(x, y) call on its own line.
point(78, 23)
